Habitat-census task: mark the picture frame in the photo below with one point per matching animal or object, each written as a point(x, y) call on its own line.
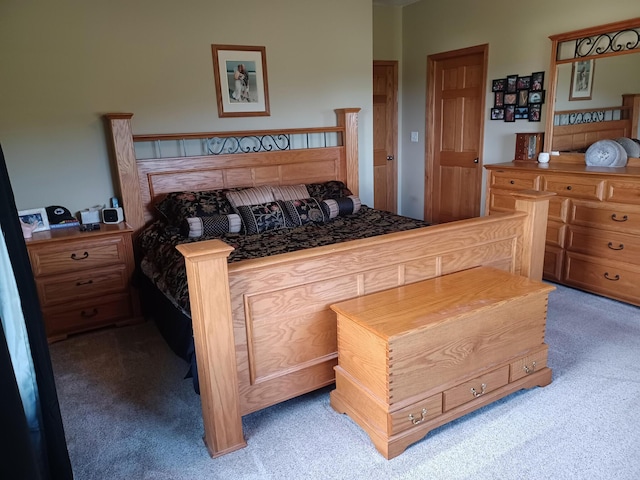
point(510, 98)
point(497, 114)
point(536, 96)
point(522, 113)
point(524, 82)
point(537, 81)
point(535, 113)
point(523, 98)
point(498, 85)
point(510, 113)
point(498, 100)
point(512, 84)
point(35, 215)
point(240, 74)
point(582, 79)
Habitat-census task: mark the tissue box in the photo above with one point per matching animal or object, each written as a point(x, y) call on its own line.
point(90, 215)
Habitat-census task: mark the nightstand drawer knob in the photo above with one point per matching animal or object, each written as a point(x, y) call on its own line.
point(415, 421)
point(529, 370)
point(88, 282)
point(477, 394)
point(84, 255)
point(90, 314)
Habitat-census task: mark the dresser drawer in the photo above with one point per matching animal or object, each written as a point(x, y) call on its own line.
point(574, 187)
point(555, 233)
point(605, 216)
point(615, 279)
point(415, 414)
point(69, 287)
point(77, 255)
point(552, 268)
point(87, 314)
point(558, 208)
point(515, 180)
point(469, 391)
point(528, 364)
point(622, 247)
point(622, 191)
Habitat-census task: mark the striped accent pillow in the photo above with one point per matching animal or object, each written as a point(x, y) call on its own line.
point(251, 196)
point(290, 192)
point(196, 227)
point(341, 206)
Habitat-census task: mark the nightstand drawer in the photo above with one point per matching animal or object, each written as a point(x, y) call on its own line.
point(84, 284)
point(80, 255)
point(468, 391)
point(87, 315)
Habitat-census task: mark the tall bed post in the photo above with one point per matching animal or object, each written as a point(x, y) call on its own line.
point(348, 118)
point(206, 265)
point(121, 143)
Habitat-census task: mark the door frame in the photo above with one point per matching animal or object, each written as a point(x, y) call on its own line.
point(393, 194)
point(430, 122)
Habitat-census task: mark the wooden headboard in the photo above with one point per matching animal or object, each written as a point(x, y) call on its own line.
point(576, 130)
point(151, 166)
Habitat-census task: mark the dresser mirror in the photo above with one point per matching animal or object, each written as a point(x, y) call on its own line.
point(594, 87)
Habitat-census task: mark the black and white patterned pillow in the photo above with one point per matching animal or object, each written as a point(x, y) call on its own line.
point(335, 207)
point(262, 217)
point(211, 225)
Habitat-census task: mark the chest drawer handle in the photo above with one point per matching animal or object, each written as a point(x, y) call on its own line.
point(84, 255)
point(615, 278)
point(415, 421)
point(483, 388)
point(88, 282)
point(615, 218)
point(620, 247)
point(529, 370)
point(90, 314)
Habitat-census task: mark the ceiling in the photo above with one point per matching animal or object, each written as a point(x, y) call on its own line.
point(393, 3)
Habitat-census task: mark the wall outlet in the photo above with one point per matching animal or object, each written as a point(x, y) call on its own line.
point(414, 136)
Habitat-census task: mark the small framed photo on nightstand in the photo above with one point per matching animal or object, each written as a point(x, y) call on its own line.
point(36, 217)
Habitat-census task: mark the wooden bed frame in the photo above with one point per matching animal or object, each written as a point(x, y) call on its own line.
point(263, 329)
point(579, 136)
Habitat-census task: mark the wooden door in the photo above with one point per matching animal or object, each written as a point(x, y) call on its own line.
point(455, 128)
point(385, 127)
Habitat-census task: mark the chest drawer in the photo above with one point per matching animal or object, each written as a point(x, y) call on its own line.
point(574, 186)
point(606, 216)
point(622, 247)
point(528, 364)
point(68, 287)
point(514, 180)
point(469, 391)
point(415, 414)
point(77, 255)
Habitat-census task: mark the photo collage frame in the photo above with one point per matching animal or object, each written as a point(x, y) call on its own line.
point(518, 97)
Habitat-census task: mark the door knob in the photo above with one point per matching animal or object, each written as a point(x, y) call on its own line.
point(475, 160)
point(389, 157)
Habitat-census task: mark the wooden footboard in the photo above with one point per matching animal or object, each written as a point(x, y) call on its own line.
point(263, 328)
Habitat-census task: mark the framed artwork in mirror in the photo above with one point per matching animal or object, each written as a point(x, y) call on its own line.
point(240, 74)
point(582, 80)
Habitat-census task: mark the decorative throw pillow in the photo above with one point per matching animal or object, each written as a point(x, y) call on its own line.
point(331, 189)
point(251, 196)
point(341, 206)
point(177, 206)
point(304, 211)
point(262, 217)
point(195, 227)
point(290, 192)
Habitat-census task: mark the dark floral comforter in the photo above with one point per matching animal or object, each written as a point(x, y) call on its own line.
point(164, 265)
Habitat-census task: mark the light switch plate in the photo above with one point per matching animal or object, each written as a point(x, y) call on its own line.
point(414, 136)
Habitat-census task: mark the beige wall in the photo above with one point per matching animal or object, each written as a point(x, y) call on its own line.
point(67, 62)
point(517, 35)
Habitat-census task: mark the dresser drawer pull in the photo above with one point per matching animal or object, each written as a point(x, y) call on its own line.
point(415, 421)
point(85, 255)
point(88, 282)
point(528, 370)
point(615, 218)
point(613, 279)
point(93, 313)
point(569, 187)
point(619, 247)
point(512, 182)
point(483, 388)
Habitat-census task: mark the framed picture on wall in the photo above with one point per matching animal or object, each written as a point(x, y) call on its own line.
point(534, 113)
point(497, 114)
point(510, 113)
point(510, 99)
point(537, 81)
point(582, 80)
point(499, 100)
point(536, 96)
point(240, 74)
point(498, 85)
point(522, 113)
point(523, 98)
point(524, 82)
point(512, 84)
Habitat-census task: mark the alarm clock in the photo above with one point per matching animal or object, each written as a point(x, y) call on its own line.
point(112, 215)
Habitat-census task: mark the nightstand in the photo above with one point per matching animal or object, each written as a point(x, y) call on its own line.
point(84, 279)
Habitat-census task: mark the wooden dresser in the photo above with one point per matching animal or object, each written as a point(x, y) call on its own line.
point(593, 229)
point(84, 278)
point(415, 357)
